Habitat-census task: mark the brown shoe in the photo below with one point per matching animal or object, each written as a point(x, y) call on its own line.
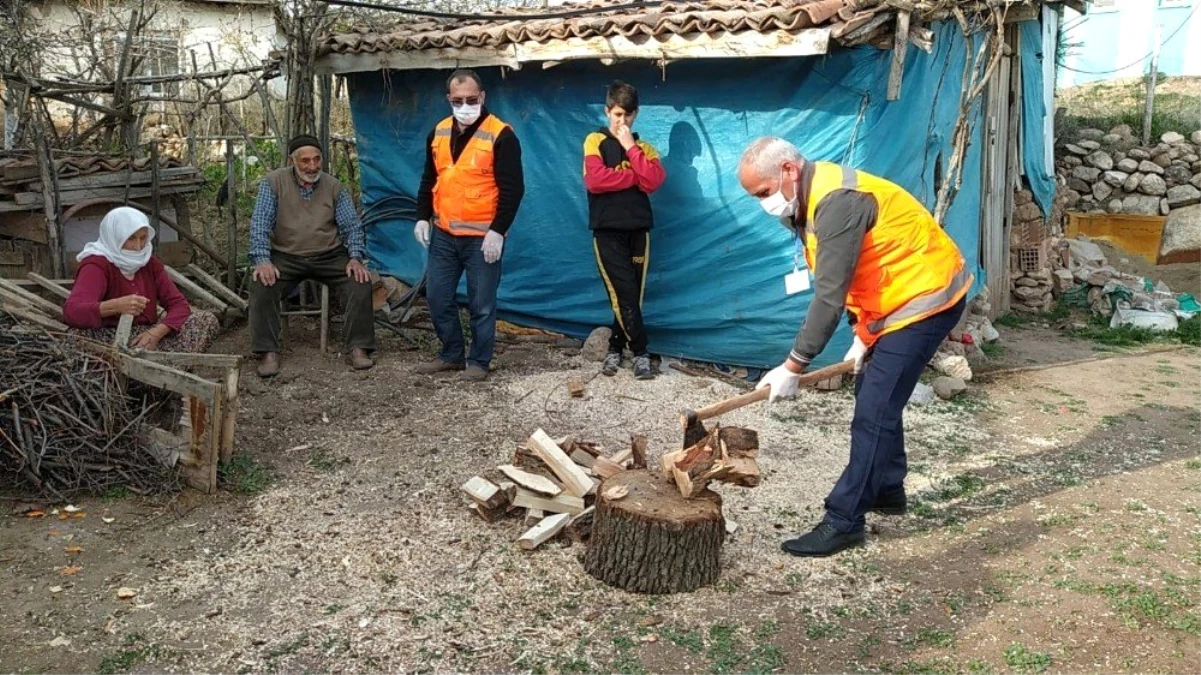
point(437, 366)
point(359, 359)
point(473, 373)
point(268, 364)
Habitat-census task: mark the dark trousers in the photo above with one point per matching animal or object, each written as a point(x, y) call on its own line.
point(623, 259)
point(450, 257)
point(327, 268)
point(877, 465)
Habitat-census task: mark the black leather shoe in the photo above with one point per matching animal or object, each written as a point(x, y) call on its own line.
point(824, 540)
point(891, 503)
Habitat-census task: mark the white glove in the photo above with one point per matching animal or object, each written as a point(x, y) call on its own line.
point(493, 244)
point(857, 351)
point(422, 233)
point(783, 383)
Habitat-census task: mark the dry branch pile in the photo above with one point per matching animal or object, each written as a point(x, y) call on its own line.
point(66, 426)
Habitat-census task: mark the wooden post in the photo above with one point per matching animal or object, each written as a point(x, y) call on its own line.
point(154, 187)
point(900, 45)
point(325, 82)
point(50, 205)
point(231, 254)
point(1149, 110)
point(124, 329)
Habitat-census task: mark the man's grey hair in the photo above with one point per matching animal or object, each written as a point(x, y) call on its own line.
point(766, 155)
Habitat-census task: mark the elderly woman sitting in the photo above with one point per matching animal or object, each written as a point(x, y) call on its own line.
point(118, 275)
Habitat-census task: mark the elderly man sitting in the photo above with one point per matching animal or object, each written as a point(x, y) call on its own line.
point(304, 226)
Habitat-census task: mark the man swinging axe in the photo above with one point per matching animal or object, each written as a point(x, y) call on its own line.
point(873, 249)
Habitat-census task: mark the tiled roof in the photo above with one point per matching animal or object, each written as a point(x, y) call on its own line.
point(682, 17)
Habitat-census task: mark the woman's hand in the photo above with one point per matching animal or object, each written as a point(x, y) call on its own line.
point(132, 305)
point(149, 340)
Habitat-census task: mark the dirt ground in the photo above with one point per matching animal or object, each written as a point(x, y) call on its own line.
point(1053, 528)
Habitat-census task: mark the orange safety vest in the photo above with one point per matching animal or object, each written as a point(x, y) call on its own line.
point(908, 269)
point(465, 195)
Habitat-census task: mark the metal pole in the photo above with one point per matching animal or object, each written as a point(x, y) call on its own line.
point(230, 183)
point(1148, 112)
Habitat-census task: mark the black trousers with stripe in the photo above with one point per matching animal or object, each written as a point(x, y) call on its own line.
point(623, 259)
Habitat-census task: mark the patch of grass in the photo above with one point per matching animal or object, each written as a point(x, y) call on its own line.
point(627, 662)
point(1189, 331)
point(1011, 320)
point(1059, 520)
point(963, 485)
point(940, 665)
point(332, 608)
point(1194, 464)
point(1112, 421)
point(934, 637)
point(820, 630)
point(690, 639)
point(134, 654)
point(865, 645)
point(244, 474)
point(290, 647)
point(114, 493)
point(992, 350)
point(325, 461)
point(1023, 660)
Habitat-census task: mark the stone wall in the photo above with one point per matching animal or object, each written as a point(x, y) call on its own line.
point(1112, 173)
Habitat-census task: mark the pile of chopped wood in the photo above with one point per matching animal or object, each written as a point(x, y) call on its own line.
point(553, 483)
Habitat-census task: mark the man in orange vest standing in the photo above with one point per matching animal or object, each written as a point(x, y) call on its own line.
point(873, 249)
point(469, 195)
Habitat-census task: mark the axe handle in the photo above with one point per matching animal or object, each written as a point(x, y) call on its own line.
point(806, 379)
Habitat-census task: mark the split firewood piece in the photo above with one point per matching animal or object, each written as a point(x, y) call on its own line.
point(742, 471)
point(582, 458)
point(604, 467)
point(574, 480)
point(533, 517)
point(530, 481)
point(565, 443)
point(563, 503)
point(667, 461)
point(575, 387)
point(524, 458)
point(740, 442)
point(544, 530)
point(638, 451)
point(586, 446)
point(486, 514)
point(509, 488)
point(484, 492)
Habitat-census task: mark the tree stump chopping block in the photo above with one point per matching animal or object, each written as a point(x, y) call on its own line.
point(653, 540)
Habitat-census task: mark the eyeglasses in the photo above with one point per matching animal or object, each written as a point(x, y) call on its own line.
point(460, 102)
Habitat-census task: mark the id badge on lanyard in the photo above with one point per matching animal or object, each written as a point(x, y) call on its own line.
point(798, 280)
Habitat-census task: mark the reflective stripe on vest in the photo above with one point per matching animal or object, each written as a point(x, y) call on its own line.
point(908, 267)
point(466, 195)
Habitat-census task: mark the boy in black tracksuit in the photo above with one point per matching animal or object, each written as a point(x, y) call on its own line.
point(620, 172)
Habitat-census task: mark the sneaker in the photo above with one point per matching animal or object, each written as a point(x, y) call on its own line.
point(823, 541)
point(473, 373)
point(642, 368)
point(437, 366)
point(611, 364)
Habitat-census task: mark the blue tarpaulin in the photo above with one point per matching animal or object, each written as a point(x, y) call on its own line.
point(715, 289)
point(1034, 117)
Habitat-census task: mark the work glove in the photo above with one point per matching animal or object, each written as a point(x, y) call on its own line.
point(422, 232)
point(857, 351)
point(494, 243)
point(783, 383)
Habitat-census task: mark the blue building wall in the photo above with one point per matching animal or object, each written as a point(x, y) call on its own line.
point(1114, 40)
point(715, 288)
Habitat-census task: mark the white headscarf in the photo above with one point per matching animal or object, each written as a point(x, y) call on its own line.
point(118, 225)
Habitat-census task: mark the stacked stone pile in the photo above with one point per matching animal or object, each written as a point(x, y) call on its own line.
point(1112, 173)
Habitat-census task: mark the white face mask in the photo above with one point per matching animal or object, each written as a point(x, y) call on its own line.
point(467, 114)
point(776, 204)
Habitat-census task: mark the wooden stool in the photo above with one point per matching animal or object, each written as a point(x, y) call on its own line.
point(306, 309)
